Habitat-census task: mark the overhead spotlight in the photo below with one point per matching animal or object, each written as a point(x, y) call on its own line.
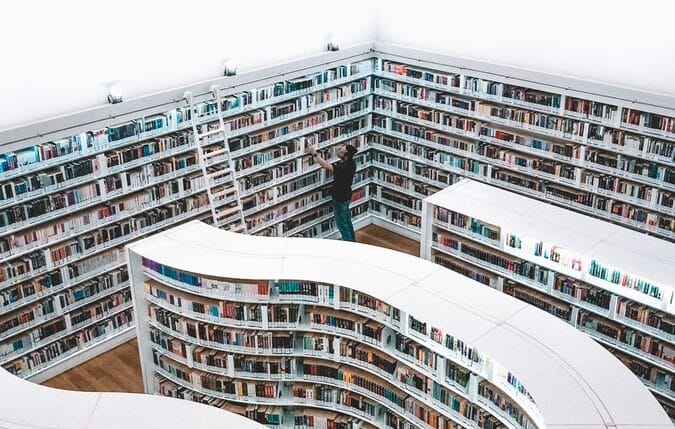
point(187, 96)
point(115, 94)
point(332, 46)
point(230, 68)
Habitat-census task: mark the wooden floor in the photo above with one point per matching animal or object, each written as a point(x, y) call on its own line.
point(119, 369)
point(378, 236)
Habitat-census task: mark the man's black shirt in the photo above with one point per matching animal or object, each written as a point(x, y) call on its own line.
point(343, 175)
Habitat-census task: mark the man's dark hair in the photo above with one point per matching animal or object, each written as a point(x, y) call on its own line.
point(351, 150)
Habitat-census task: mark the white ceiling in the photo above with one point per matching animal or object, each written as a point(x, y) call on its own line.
point(59, 57)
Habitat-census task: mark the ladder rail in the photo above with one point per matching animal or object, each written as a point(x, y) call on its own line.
point(231, 167)
point(200, 152)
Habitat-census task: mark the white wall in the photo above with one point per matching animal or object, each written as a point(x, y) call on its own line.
point(630, 43)
point(57, 57)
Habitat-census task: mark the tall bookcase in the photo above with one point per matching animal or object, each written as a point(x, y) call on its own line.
point(231, 158)
point(74, 190)
point(612, 283)
point(224, 317)
point(437, 120)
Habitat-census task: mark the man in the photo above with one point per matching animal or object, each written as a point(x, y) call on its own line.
point(341, 191)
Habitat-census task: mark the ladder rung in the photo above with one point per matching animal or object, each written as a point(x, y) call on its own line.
point(237, 228)
point(210, 133)
point(215, 153)
point(218, 173)
point(227, 212)
point(223, 192)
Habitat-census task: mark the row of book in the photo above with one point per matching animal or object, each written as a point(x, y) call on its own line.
point(619, 163)
point(138, 151)
point(57, 177)
point(650, 219)
point(296, 289)
point(86, 141)
point(296, 86)
point(572, 287)
point(581, 107)
point(619, 186)
point(648, 120)
point(636, 167)
point(592, 295)
point(45, 151)
point(487, 111)
point(645, 315)
point(451, 80)
point(338, 398)
point(582, 291)
point(51, 204)
point(350, 296)
point(491, 257)
point(312, 421)
point(539, 300)
point(259, 117)
point(88, 242)
point(409, 348)
point(397, 199)
point(647, 146)
point(210, 335)
point(39, 358)
point(503, 403)
point(294, 146)
point(99, 227)
point(465, 270)
point(658, 377)
point(637, 340)
point(597, 269)
point(661, 350)
point(50, 179)
point(418, 352)
point(347, 348)
point(590, 109)
point(623, 209)
point(218, 286)
point(45, 333)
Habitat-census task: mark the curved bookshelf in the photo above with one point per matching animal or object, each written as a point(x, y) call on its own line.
point(27, 405)
point(291, 328)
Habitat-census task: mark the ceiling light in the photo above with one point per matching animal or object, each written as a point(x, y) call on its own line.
point(230, 68)
point(115, 94)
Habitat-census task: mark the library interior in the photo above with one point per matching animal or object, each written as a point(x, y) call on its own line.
point(374, 215)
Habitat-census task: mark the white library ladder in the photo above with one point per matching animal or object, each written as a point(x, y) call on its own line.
point(216, 163)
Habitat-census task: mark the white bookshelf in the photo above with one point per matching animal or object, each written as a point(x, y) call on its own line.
point(252, 146)
point(209, 183)
point(412, 109)
point(28, 405)
point(511, 242)
point(194, 275)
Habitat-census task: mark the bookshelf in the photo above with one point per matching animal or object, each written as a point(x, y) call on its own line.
point(539, 143)
point(74, 190)
point(377, 338)
point(63, 409)
point(609, 282)
point(235, 159)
